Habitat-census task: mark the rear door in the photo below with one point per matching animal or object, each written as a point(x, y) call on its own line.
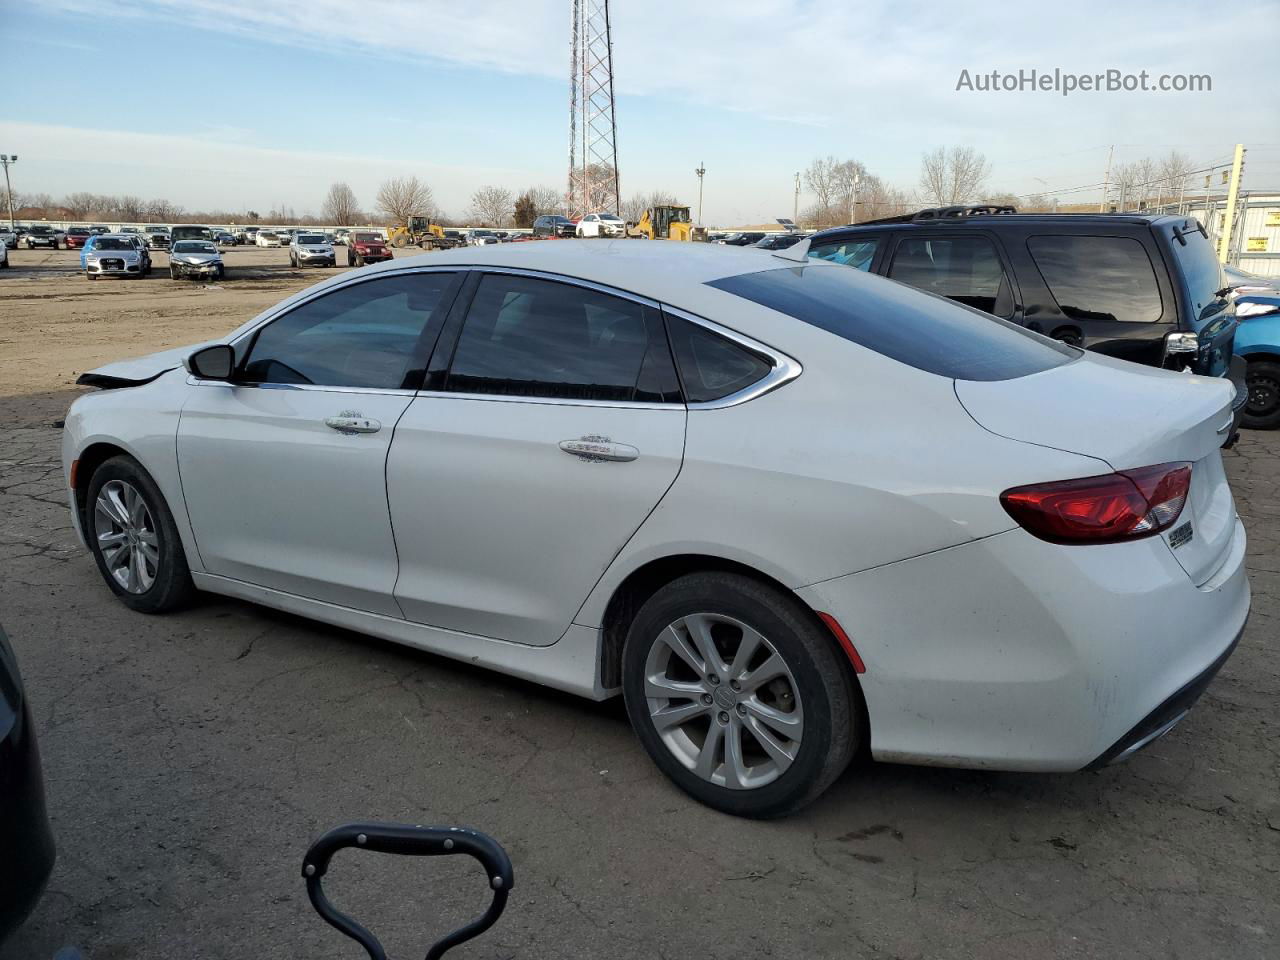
point(550, 428)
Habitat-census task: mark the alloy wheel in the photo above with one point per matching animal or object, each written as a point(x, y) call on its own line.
point(1264, 395)
point(723, 701)
point(126, 535)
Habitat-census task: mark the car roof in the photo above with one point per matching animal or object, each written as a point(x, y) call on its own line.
point(994, 221)
point(658, 269)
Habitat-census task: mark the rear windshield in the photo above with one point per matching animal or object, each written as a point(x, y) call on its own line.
point(921, 330)
point(1203, 272)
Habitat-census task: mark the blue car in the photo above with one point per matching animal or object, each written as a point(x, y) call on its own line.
point(1258, 341)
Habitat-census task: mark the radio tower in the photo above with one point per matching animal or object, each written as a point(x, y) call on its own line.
point(593, 131)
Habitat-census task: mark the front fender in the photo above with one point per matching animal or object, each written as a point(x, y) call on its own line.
point(1256, 335)
point(142, 421)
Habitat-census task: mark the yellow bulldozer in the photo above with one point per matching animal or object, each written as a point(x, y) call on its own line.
point(420, 232)
point(667, 223)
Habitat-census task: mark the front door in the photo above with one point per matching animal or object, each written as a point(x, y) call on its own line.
point(551, 436)
point(283, 470)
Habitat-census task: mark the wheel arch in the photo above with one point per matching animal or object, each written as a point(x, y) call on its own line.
point(87, 462)
point(630, 594)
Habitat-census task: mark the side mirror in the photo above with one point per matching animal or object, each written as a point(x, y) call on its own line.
point(212, 363)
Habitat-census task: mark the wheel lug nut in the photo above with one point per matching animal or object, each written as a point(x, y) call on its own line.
point(742, 709)
point(735, 684)
point(724, 717)
point(706, 698)
point(713, 679)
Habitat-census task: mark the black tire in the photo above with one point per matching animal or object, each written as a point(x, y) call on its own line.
point(1262, 410)
point(833, 713)
point(173, 273)
point(172, 586)
point(220, 272)
point(359, 260)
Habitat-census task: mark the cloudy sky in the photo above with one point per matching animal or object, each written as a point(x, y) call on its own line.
point(255, 104)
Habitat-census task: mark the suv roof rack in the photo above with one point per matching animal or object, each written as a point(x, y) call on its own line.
point(948, 213)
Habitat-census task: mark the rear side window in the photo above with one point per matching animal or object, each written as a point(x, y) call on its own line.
point(922, 331)
point(712, 367)
point(1099, 278)
point(964, 269)
point(852, 253)
point(538, 338)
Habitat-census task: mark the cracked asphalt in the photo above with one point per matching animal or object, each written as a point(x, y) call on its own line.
point(191, 758)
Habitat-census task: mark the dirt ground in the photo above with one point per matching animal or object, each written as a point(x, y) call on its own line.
point(191, 758)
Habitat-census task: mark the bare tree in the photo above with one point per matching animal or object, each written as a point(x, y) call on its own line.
point(340, 205)
point(1127, 178)
point(1146, 173)
point(491, 207)
point(952, 175)
point(546, 200)
point(633, 209)
point(1175, 171)
point(877, 199)
point(403, 197)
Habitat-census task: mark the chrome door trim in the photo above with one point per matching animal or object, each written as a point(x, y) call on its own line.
point(312, 387)
point(785, 367)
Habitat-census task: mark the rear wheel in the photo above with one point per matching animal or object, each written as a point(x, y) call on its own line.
point(134, 540)
point(1262, 411)
point(738, 695)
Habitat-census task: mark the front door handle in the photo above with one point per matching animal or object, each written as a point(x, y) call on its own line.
point(353, 423)
point(599, 450)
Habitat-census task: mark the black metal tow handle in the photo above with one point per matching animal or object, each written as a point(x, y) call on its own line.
point(410, 841)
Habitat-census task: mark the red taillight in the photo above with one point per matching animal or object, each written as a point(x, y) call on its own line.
point(1118, 506)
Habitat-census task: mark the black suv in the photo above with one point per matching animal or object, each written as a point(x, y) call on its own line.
point(1143, 288)
point(742, 239)
point(554, 226)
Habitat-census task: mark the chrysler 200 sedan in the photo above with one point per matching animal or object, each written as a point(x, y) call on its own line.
point(789, 511)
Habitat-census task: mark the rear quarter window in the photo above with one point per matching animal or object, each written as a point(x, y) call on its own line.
point(921, 330)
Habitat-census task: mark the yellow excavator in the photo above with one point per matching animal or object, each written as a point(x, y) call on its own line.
point(420, 232)
point(667, 223)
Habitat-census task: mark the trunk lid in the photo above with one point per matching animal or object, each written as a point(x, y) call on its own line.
point(1130, 416)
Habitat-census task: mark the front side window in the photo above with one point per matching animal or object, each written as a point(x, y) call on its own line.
point(362, 335)
point(852, 253)
point(1099, 278)
point(964, 269)
point(530, 337)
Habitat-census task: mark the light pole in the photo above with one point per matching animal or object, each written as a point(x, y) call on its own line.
point(795, 204)
point(853, 199)
point(702, 169)
point(6, 160)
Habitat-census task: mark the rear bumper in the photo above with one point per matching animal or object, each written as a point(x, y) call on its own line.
point(1011, 653)
point(1167, 715)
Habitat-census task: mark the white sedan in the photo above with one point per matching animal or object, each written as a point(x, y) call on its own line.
point(789, 511)
point(601, 225)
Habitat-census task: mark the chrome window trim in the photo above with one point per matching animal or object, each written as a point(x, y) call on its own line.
point(312, 387)
point(552, 401)
point(785, 368)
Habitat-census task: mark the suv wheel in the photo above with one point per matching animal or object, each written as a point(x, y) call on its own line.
point(1262, 411)
point(134, 540)
point(738, 695)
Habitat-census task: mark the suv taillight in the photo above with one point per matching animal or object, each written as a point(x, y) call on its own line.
point(1127, 505)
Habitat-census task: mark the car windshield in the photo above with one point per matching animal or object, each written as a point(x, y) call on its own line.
point(924, 331)
point(41, 231)
point(112, 243)
point(78, 232)
point(194, 246)
point(368, 237)
point(610, 216)
point(310, 238)
point(156, 230)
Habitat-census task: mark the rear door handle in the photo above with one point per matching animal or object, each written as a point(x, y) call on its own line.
point(353, 424)
point(599, 450)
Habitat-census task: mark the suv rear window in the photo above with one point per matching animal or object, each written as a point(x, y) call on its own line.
point(918, 329)
point(1203, 273)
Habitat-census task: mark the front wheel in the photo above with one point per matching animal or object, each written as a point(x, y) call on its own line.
point(173, 273)
point(1262, 410)
point(134, 540)
point(740, 695)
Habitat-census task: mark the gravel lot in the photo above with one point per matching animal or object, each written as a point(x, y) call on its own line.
point(191, 758)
